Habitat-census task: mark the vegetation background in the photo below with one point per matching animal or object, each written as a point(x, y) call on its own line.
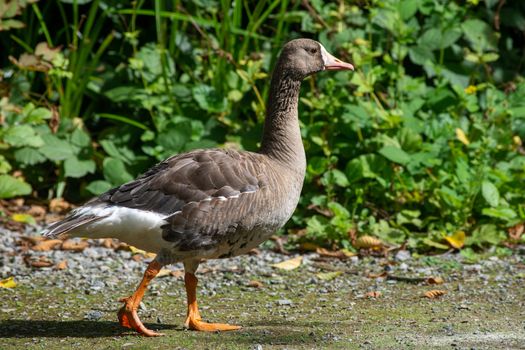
point(421, 145)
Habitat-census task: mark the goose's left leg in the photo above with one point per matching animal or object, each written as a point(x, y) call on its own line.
point(127, 315)
point(193, 319)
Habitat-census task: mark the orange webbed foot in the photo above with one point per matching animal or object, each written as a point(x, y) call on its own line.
point(129, 318)
point(198, 325)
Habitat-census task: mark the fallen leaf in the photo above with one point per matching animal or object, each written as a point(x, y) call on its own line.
point(58, 205)
point(8, 283)
point(309, 246)
point(378, 275)
point(74, 246)
point(178, 273)
point(37, 211)
point(435, 280)
point(46, 245)
point(367, 242)
point(61, 265)
point(339, 254)
point(435, 293)
point(32, 239)
point(164, 273)
point(290, 264)
point(460, 134)
point(516, 231)
point(373, 294)
point(23, 218)
point(43, 262)
point(457, 240)
point(255, 284)
point(328, 276)
point(146, 254)
point(109, 243)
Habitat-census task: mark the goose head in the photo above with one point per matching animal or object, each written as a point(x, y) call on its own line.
point(303, 57)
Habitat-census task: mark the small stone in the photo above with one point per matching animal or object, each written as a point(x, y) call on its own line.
point(403, 255)
point(93, 315)
point(257, 347)
point(284, 302)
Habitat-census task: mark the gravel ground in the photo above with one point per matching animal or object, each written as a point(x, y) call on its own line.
point(361, 302)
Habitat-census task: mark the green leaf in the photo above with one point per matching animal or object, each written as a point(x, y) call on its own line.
point(22, 135)
point(115, 171)
point(38, 115)
point(80, 138)
point(209, 99)
point(506, 214)
point(480, 35)
point(490, 193)
point(5, 167)
point(98, 187)
point(74, 167)
point(395, 154)
point(11, 187)
point(29, 156)
point(175, 136)
point(56, 149)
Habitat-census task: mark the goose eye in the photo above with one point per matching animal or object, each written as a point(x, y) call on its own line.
point(311, 50)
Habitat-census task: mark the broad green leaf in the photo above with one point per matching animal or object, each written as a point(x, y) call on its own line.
point(56, 149)
point(174, 137)
point(395, 154)
point(209, 99)
point(29, 156)
point(490, 193)
point(506, 214)
point(480, 35)
point(12, 187)
point(22, 135)
point(115, 171)
point(98, 187)
point(74, 167)
point(80, 138)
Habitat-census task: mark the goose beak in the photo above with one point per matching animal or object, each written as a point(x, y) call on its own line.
point(334, 63)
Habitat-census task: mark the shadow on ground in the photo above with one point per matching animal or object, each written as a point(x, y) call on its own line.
point(79, 329)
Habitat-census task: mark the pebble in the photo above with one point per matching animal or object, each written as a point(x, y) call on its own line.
point(403, 255)
point(284, 302)
point(93, 315)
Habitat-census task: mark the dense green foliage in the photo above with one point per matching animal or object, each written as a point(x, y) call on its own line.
point(421, 142)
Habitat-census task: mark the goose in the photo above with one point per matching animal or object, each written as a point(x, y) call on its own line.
point(210, 203)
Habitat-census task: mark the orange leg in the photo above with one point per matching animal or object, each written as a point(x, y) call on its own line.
point(193, 320)
point(127, 315)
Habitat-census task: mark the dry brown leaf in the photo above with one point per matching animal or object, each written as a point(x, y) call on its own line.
point(435, 293)
point(164, 273)
point(255, 284)
point(309, 246)
point(46, 245)
point(373, 294)
point(37, 211)
point(367, 242)
point(135, 250)
point(378, 275)
point(290, 264)
point(516, 231)
point(110, 243)
point(42, 262)
point(435, 280)
point(58, 205)
point(32, 239)
point(61, 265)
point(137, 257)
point(74, 246)
point(8, 283)
point(178, 273)
point(339, 254)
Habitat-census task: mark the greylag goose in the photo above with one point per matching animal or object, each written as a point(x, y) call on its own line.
point(211, 203)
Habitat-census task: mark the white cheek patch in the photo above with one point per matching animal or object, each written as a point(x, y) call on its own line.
point(325, 55)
